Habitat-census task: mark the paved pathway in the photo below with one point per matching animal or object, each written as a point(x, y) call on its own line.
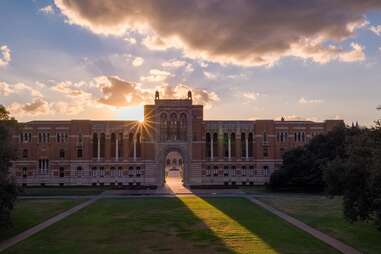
point(340, 246)
point(18, 238)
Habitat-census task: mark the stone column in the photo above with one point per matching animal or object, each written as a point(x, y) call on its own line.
point(99, 147)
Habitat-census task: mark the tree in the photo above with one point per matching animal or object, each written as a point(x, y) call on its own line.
point(302, 167)
point(8, 190)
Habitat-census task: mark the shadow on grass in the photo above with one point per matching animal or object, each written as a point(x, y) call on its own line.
point(136, 225)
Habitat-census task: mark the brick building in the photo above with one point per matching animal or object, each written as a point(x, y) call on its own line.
point(85, 152)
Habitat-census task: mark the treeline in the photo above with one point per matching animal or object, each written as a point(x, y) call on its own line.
point(346, 161)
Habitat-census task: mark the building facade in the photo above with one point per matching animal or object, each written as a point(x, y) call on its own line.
point(133, 153)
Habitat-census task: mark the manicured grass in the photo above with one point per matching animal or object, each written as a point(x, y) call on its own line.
point(28, 213)
point(326, 214)
point(172, 225)
point(61, 191)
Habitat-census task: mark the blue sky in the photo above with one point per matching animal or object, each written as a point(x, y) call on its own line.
point(60, 66)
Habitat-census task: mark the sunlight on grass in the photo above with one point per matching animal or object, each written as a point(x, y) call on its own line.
point(235, 236)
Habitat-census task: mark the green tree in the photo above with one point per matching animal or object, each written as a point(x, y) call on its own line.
point(8, 190)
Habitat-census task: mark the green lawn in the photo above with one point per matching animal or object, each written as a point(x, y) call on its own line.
point(28, 213)
point(61, 191)
point(172, 225)
point(326, 215)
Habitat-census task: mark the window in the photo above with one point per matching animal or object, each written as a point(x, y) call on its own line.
point(26, 137)
point(207, 145)
point(130, 171)
point(208, 172)
point(137, 171)
point(215, 171)
point(24, 172)
point(120, 145)
point(226, 171)
point(234, 171)
point(62, 171)
point(232, 145)
point(266, 170)
point(62, 153)
point(95, 145)
point(264, 137)
point(226, 145)
point(243, 170)
point(138, 145)
point(79, 171)
point(102, 144)
point(265, 151)
point(102, 171)
point(113, 171)
point(251, 171)
point(61, 137)
point(93, 171)
point(25, 153)
point(120, 171)
point(43, 166)
point(113, 145)
point(215, 145)
point(250, 146)
point(43, 137)
point(79, 153)
point(131, 145)
point(243, 145)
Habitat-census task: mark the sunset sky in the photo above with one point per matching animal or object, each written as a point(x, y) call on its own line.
point(86, 59)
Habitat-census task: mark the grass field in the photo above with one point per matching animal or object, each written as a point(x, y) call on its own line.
point(61, 191)
point(326, 215)
point(172, 225)
point(28, 213)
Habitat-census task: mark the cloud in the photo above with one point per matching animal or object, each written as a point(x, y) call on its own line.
point(38, 106)
point(356, 54)
point(251, 95)
point(199, 96)
point(5, 55)
point(247, 32)
point(376, 29)
point(130, 40)
point(174, 64)
point(156, 76)
point(118, 92)
point(302, 100)
point(47, 9)
point(138, 61)
point(72, 89)
point(210, 75)
point(5, 89)
point(17, 88)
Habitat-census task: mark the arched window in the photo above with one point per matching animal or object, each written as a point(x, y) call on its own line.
point(168, 162)
point(163, 127)
point(131, 145)
point(243, 144)
point(183, 127)
point(226, 145)
point(232, 145)
point(120, 145)
point(138, 145)
point(264, 137)
point(113, 145)
point(215, 145)
point(103, 145)
point(173, 128)
point(250, 141)
point(95, 145)
point(207, 145)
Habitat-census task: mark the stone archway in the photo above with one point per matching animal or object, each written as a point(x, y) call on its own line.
point(162, 158)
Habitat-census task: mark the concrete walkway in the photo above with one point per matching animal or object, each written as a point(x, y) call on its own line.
point(34, 230)
point(340, 246)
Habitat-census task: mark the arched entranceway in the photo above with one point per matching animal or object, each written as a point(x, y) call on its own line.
point(174, 168)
